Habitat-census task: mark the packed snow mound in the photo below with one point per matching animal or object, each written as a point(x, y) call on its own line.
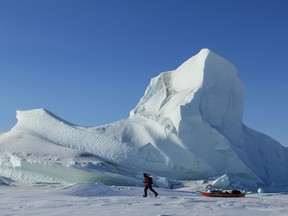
point(188, 125)
point(92, 189)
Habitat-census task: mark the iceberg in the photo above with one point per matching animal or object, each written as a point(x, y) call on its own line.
point(187, 126)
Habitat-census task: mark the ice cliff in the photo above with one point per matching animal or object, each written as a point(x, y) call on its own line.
point(188, 125)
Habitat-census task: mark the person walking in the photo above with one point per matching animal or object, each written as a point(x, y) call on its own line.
point(148, 185)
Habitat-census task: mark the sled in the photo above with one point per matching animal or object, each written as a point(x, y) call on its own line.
point(222, 194)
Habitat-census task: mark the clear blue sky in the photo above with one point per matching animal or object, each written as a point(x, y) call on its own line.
point(89, 62)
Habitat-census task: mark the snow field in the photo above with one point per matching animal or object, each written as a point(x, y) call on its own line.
point(98, 199)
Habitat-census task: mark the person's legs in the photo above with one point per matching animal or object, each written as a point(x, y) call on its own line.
point(145, 191)
point(151, 189)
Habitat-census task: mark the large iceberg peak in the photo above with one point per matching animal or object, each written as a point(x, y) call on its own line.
point(205, 86)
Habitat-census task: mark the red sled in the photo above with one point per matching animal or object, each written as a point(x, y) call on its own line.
point(222, 194)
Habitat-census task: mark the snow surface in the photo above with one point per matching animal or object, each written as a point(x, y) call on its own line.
point(98, 199)
point(187, 126)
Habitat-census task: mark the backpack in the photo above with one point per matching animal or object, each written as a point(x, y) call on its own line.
point(150, 179)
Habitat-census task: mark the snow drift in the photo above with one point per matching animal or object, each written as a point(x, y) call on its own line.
point(188, 125)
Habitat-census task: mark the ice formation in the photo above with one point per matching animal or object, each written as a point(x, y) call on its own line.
point(188, 125)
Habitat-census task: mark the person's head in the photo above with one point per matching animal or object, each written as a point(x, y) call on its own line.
point(145, 175)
